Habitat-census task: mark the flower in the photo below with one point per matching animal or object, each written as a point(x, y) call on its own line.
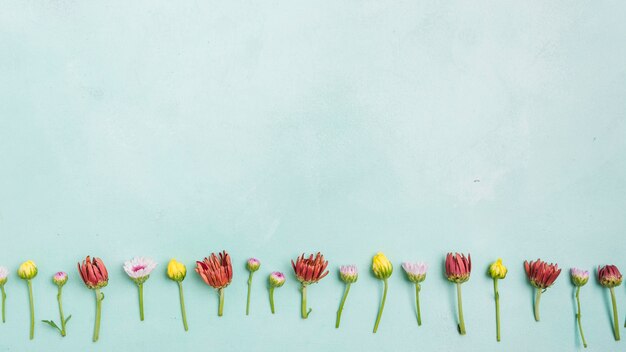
point(381, 266)
point(28, 270)
point(579, 277)
point(609, 276)
point(60, 278)
point(95, 276)
point(497, 270)
point(348, 273)
point(415, 272)
point(139, 269)
point(309, 271)
point(276, 279)
point(217, 273)
point(176, 270)
point(253, 264)
point(541, 274)
point(4, 275)
point(458, 267)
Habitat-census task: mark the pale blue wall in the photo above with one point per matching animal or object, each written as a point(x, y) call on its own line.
point(272, 128)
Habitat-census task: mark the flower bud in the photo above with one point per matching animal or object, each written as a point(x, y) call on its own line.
point(277, 279)
point(4, 275)
point(579, 277)
point(253, 264)
point(176, 270)
point(27, 270)
point(497, 270)
point(381, 266)
point(59, 278)
point(609, 276)
point(348, 273)
point(415, 272)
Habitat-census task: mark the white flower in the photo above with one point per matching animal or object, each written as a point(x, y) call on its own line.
point(139, 268)
point(4, 273)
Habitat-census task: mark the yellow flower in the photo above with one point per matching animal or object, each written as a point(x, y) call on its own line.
point(176, 270)
point(381, 266)
point(27, 270)
point(497, 270)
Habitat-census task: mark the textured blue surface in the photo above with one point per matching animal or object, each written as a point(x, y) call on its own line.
point(273, 128)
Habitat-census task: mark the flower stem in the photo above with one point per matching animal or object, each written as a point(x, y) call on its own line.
point(140, 301)
point(382, 306)
point(272, 298)
point(60, 300)
point(32, 309)
point(305, 313)
point(96, 328)
point(4, 298)
point(343, 301)
point(460, 304)
point(220, 310)
point(182, 304)
point(497, 295)
point(537, 300)
point(615, 319)
point(249, 288)
point(580, 326)
point(417, 304)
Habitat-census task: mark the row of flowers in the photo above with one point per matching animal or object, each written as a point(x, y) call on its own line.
point(217, 272)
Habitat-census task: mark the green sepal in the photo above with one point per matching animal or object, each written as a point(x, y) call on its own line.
point(68, 318)
point(52, 323)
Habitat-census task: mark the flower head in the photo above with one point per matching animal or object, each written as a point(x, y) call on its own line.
point(310, 270)
point(27, 270)
point(4, 275)
point(609, 276)
point(253, 264)
point(541, 274)
point(94, 273)
point(277, 279)
point(497, 270)
point(59, 278)
point(579, 276)
point(458, 267)
point(415, 272)
point(139, 268)
point(381, 266)
point(215, 271)
point(348, 273)
point(176, 270)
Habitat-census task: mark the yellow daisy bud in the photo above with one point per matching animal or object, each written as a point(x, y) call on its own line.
point(497, 270)
point(27, 270)
point(381, 266)
point(176, 270)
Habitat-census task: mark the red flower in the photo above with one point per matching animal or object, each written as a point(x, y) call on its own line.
point(541, 274)
point(310, 270)
point(94, 273)
point(458, 267)
point(216, 272)
point(609, 276)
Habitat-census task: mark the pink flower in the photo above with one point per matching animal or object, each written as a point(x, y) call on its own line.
point(609, 276)
point(458, 267)
point(60, 278)
point(139, 268)
point(416, 272)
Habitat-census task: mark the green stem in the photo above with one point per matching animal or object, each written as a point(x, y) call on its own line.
point(96, 328)
point(249, 288)
point(182, 304)
point(60, 300)
point(272, 298)
point(497, 295)
point(32, 309)
point(578, 316)
point(615, 319)
point(417, 304)
point(537, 300)
point(460, 304)
point(382, 306)
point(4, 298)
point(343, 301)
point(140, 301)
point(220, 310)
point(305, 313)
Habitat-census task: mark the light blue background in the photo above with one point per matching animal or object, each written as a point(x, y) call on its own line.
point(272, 128)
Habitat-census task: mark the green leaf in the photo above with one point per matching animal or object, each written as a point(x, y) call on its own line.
point(68, 318)
point(52, 323)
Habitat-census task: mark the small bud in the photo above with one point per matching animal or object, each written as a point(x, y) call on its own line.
point(277, 279)
point(27, 270)
point(415, 272)
point(59, 278)
point(176, 270)
point(4, 275)
point(381, 266)
point(253, 264)
point(348, 273)
point(497, 270)
point(579, 277)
